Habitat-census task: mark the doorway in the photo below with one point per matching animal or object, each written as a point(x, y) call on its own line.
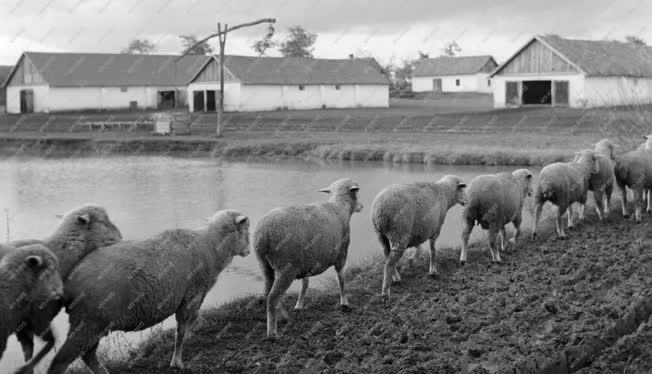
point(167, 99)
point(198, 101)
point(537, 92)
point(26, 101)
point(210, 101)
point(436, 85)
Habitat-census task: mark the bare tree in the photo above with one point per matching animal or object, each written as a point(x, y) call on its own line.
point(140, 46)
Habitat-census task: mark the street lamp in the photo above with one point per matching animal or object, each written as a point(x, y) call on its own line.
point(221, 34)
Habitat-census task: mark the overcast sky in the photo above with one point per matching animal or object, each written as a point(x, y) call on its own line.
point(380, 28)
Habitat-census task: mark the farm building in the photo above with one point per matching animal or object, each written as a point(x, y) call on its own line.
point(550, 70)
point(453, 74)
point(4, 73)
point(51, 82)
point(273, 83)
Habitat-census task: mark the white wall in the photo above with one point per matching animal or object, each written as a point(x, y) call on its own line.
point(575, 86)
point(468, 83)
point(41, 93)
point(605, 91)
point(232, 94)
point(276, 97)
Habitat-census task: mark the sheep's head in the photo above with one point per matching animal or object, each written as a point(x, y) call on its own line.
point(605, 146)
point(524, 178)
point(93, 224)
point(458, 186)
point(347, 189)
point(36, 269)
point(232, 229)
point(588, 157)
point(648, 142)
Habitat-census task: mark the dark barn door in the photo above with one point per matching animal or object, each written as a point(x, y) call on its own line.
point(26, 101)
point(561, 93)
point(166, 99)
point(210, 101)
point(537, 92)
point(198, 101)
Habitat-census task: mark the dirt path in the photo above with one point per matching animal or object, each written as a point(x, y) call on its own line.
point(478, 318)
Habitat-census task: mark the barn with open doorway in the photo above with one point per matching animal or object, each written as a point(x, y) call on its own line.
point(56, 82)
point(554, 71)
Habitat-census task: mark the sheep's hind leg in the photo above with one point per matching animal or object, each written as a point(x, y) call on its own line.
point(466, 234)
point(80, 339)
point(390, 263)
point(638, 201)
point(90, 359)
point(29, 366)
point(433, 272)
point(186, 315)
point(599, 203)
point(537, 215)
point(302, 295)
point(517, 226)
point(648, 210)
point(417, 253)
point(282, 282)
point(25, 337)
point(344, 302)
point(495, 254)
point(560, 225)
point(571, 224)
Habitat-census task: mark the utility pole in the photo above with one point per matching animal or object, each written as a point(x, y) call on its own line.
point(221, 34)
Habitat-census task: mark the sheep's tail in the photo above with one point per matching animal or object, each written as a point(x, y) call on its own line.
point(543, 193)
point(260, 247)
point(622, 175)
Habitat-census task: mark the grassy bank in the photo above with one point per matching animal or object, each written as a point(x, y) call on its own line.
point(549, 296)
point(410, 132)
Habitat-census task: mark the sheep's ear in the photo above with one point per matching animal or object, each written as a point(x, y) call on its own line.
point(645, 137)
point(241, 220)
point(326, 189)
point(354, 188)
point(83, 219)
point(461, 185)
point(528, 177)
point(59, 216)
point(34, 261)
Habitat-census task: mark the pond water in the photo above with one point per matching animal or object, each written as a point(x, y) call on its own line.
point(146, 195)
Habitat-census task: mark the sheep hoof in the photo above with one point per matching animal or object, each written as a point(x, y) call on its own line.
point(563, 237)
point(177, 365)
point(346, 309)
point(625, 216)
point(433, 275)
point(534, 235)
point(384, 299)
point(462, 263)
point(296, 312)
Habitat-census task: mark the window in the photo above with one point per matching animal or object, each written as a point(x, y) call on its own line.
point(488, 82)
point(457, 82)
point(301, 87)
point(337, 87)
point(123, 89)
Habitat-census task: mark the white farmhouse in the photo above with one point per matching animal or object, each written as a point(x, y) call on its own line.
point(52, 82)
point(276, 83)
point(55, 82)
point(550, 70)
point(453, 74)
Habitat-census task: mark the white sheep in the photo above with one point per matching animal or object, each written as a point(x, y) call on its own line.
point(565, 183)
point(133, 285)
point(602, 182)
point(494, 201)
point(303, 241)
point(634, 170)
point(29, 276)
point(647, 146)
point(80, 232)
point(407, 215)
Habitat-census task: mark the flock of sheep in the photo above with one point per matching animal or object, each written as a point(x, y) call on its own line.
point(108, 284)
